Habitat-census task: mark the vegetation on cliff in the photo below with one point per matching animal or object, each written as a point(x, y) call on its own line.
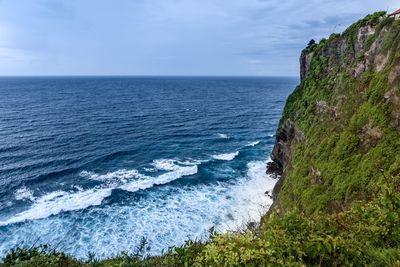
point(338, 147)
point(345, 115)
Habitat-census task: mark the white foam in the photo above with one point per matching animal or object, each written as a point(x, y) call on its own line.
point(271, 135)
point(129, 180)
point(253, 143)
point(175, 172)
point(60, 201)
point(250, 193)
point(223, 136)
point(226, 156)
point(166, 217)
point(164, 164)
point(24, 193)
point(122, 175)
point(161, 179)
point(77, 187)
point(191, 161)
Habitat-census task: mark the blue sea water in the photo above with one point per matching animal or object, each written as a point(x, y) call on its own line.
point(93, 164)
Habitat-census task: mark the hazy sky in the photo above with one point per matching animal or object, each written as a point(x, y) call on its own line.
point(167, 37)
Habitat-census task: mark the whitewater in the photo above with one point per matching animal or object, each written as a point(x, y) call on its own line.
point(93, 164)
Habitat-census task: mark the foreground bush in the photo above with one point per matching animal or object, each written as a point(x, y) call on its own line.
point(365, 235)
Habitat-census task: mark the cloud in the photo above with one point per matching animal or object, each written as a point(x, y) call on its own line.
point(168, 37)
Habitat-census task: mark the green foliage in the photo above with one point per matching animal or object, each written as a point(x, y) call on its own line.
point(351, 134)
point(310, 46)
point(38, 256)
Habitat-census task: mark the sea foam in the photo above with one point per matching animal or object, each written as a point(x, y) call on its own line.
point(223, 136)
point(129, 180)
point(174, 172)
point(226, 156)
point(122, 175)
point(60, 201)
point(165, 164)
point(168, 217)
point(24, 193)
point(253, 143)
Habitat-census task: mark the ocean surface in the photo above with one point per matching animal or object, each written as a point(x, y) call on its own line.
point(93, 164)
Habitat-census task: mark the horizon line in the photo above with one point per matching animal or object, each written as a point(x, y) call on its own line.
point(144, 76)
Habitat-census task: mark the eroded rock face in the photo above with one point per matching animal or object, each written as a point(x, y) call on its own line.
point(362, 36)
point(286, 136)
point(355, 58)
point(395, 75)
point(348, 54)
point(393, 95)
point(359, 58)
point(341, 125)
point(305, 63)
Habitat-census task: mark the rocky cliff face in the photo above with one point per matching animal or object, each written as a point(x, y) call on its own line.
point(286, 138)
point(339, 133)
point(305, 63)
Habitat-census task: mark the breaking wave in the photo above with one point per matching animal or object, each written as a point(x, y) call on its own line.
point(223, 136)
point(24, 193)
point(253, 143)
point(226, 156)
point(129, 180)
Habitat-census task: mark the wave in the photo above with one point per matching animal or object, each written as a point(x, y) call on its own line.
point(12, 148)
point(249, 195)
point(226, 156)
point(165, 178)
point(173, 164)
point(223, 136)
point(253, 143)
point(60, 201)
point(24, 193)
point(164, 164)
point(129, 180)
point(122, 175)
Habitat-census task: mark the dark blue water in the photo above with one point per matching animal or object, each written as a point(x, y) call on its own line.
point(91, 164)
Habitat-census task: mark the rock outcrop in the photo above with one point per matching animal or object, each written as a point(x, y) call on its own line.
point(286, 135)
point(340, 127)
point(305, 62)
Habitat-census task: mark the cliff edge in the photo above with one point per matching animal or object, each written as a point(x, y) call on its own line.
point(339, 134)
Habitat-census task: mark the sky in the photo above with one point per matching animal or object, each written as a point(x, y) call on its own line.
point(168, 37)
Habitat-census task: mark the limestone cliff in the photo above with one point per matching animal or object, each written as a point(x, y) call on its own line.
point(340, 129)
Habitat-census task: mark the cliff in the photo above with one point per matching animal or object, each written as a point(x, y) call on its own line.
point(339, 135)
point(337, 150)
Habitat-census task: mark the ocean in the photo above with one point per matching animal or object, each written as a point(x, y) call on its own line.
point(93, 164)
